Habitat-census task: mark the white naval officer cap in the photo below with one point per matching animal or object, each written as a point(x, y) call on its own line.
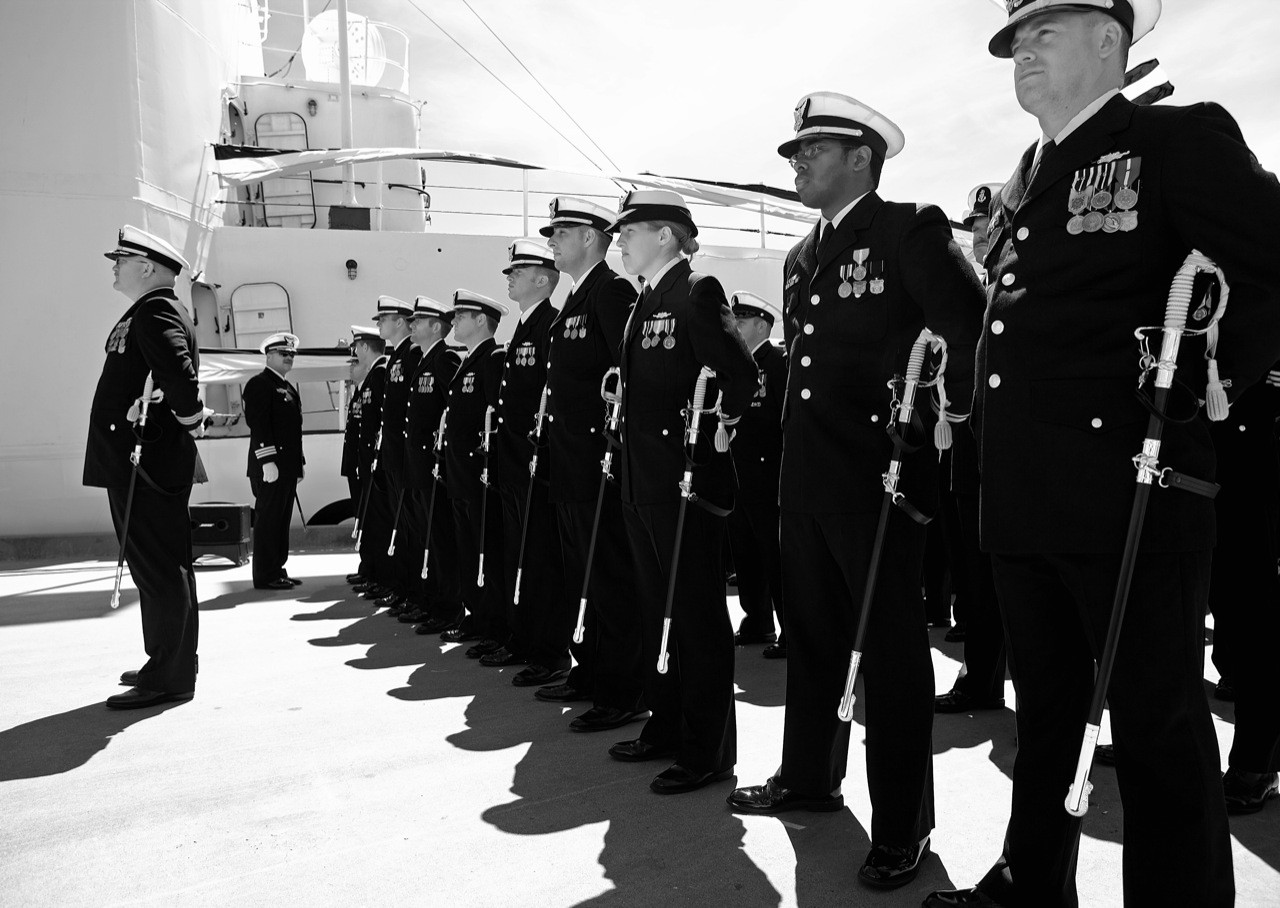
point(390, 305)
point(828, 113)
point(469, 301)
point(280, 342)
point(426, 307)
point(750, 305)
point(979, 201)
point(529, 252)
point(363, 331)
point(653, 205)
point(567, 211)
point(1137, 16)
point(133, 241)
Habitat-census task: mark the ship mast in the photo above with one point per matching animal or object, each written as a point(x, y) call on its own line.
point(344, 101)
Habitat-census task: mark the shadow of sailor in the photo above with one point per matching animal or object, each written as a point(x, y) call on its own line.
point(66, 741)
point(672, 851)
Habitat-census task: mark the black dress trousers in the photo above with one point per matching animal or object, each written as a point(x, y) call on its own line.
point(158, 552)
point(824, 565)
point(272, 510)
point(1056, 610)
point(609, 668)
point(753, 537)
point(537, 620)
point(693, 705)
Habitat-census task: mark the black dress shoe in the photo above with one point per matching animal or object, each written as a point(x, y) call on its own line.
point(772, 797)
point(391, 601)
point(414, 615)
point(459, 634)
point(1249, 792)
point(357, 577)
point(129, 678)
point(483, 648)
point(603, 718)
point(363, 586)
point(431, 625)
point(956, 701)
point(746, 638)
point(292, 581)
point(500, 657)
point(959, 898)
point(956, 634)
point(677, 779)
point(775, 651)
point(138, 697)
point(1105, 754)
point(561, 693)
point(888, 866)
point(537, 675)
point(276, 584)
point(1225, 690)
point(639, 751)
point(374, 593)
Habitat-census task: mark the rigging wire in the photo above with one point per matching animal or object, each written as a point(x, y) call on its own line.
point(505, 85)
point(288, 64)
point(543, 87)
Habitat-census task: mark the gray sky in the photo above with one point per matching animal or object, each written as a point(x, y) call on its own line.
point(705, 88)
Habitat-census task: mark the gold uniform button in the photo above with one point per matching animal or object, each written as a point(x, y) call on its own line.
point(997, 327)
point(1096, 422)
point(875, 418)
point(805, 394)
point(805, 360)
point(994, 380)
point(1023, 233)
point(815, 299)
point(1008, 279)
point(808, 329)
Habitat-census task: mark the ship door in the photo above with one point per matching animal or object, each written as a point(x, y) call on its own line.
point(286, 201)
point(257, 312)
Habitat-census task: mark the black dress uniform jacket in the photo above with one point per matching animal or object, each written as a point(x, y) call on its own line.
point(843, 351)
point(586, 340)
point(350, 466)
point(402, 363)
point(371, 394)
point(428, 397)
point(757, 448)
point(1057, 418)
point(273, 410)
point(154, 335)
point(524, 375)
point(689, 310)
point(473, 389)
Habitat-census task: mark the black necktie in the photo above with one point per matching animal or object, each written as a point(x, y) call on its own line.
point(1045, 151)
point(824, 241)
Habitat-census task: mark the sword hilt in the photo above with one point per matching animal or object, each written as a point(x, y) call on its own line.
point(696, 408)
point(847, 699)
point(662, 650)
point(148, 386)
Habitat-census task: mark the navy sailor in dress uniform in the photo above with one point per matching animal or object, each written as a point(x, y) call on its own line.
point(854, 303)
point(757, 454)
point(273, 410)
point(475, 388)
point(586, 341)
point(1089, 231)
point(374, 528)
point(980, 683)
point(436, 602)
point(680, 324)
point(536, 635)
point(393, 317)
point(154, 336)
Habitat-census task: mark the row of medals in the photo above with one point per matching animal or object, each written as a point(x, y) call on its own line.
point(575, 327)
point(858, 272)
point(1089, 207)
point(652, 341)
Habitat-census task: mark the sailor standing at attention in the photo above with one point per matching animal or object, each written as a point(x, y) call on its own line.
point(586, 340)
point(374, 527)
point(1086, 238)
point(273, 410)
point(857, 293)
point(680, 325)
point(757, 454)
point(154, 337)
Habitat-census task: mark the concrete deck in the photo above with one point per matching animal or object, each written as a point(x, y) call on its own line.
point(333, 757)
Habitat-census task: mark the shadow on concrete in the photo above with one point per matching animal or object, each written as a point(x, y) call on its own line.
point(58, 744)
point(763, 682)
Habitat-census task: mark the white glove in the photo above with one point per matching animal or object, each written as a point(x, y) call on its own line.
point(270, 472)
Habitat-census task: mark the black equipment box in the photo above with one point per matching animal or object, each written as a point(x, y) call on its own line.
point(221, 528)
